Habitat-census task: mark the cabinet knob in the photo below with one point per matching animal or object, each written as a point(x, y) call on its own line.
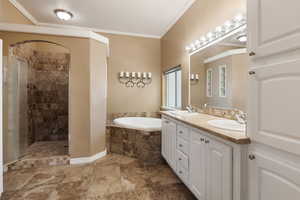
point(179, 159)
point(180, 172)
point(252, 53)
point(251, 72)
point(202, 139)
point(206, 141)
point(180, 132)
point(180, 145)
point(166, 122)
point(251, 157)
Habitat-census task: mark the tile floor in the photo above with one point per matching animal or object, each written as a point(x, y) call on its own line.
point(114, 177)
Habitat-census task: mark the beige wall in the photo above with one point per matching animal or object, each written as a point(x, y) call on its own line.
point(79, 86)
point(9, 14)
point(202, 17)
point(98, 87)
point(133, 54)
point(240, 81)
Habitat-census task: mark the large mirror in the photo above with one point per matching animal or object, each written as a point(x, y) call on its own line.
point(218, 74)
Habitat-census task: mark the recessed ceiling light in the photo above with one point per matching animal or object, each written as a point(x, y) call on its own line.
point(63, 14)
point(242, 38)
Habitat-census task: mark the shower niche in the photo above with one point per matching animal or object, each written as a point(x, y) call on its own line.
point(36, 100)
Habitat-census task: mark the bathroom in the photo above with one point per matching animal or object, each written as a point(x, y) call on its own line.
point(197, 102)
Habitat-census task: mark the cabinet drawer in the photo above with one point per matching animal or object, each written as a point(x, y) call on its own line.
point(183, 173)
point(182, 159)
point(183, 132)
point(182, 145)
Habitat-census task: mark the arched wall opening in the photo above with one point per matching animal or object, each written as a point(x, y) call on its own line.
point(87, 90)
point(36, 98)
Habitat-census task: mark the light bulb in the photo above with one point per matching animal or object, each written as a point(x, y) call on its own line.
point(63, 14)
point(238, 17)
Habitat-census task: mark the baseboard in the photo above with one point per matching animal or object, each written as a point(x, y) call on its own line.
point(84, 160)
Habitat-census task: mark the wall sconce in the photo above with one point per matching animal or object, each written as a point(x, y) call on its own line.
point(138, 79)
point(194, 78)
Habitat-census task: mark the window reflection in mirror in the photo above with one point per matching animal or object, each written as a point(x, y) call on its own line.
point(172, 79)
point(222, 71)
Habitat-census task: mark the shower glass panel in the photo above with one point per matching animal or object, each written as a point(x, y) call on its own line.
point(15, 104)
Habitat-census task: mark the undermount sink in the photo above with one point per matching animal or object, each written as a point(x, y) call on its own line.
point(227, 124)
point(184, 113)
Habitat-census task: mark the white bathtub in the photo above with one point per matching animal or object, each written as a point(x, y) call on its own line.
point(139, 123)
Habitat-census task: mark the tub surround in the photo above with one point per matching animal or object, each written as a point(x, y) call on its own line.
point(200, 121)
point(145, 146)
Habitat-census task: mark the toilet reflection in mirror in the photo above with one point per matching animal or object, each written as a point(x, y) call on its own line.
point(222, 70)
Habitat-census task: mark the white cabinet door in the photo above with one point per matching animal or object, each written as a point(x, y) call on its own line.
point(164, 143)
point(168, 142)
point(219, 171)
point(272, 179)
point(172, 144)
point(273, 26)
point(197, 164)
point(275, 110)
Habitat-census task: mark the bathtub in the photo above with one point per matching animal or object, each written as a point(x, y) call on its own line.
point(147, 124)
point(137, 137)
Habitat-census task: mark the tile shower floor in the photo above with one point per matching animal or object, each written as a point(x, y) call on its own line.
point(41, 154)
point(46, 149)
point(113, 177)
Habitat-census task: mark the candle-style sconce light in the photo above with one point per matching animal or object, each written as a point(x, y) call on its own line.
point(194, 78)
point(138, 79)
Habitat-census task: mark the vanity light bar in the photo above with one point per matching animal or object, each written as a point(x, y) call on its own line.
point(220, 31)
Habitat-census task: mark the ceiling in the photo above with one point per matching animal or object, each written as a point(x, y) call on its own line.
point(149, 18)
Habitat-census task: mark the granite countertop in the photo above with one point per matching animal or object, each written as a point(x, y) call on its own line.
point(200, 121)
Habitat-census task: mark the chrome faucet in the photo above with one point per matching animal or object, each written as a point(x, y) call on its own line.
point(240, 116)
point(190, 109)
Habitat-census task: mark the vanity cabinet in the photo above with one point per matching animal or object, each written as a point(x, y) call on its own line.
point(169, 142)
point(203, 163)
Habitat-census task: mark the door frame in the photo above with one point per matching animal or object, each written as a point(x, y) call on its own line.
point(1, 118)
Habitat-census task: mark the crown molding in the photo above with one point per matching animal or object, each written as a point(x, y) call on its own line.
point(52, 31)
point(98, 30)
point(180, 14)
point(27, 14)
point(225, 54)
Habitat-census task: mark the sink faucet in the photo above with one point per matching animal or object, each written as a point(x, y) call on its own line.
point(241, 116)
point(190, 109)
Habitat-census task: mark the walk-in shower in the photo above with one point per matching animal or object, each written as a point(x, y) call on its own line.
point(36, 82)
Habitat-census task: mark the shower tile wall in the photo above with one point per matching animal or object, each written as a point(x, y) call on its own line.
point(47, 89)
point(48, 96)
